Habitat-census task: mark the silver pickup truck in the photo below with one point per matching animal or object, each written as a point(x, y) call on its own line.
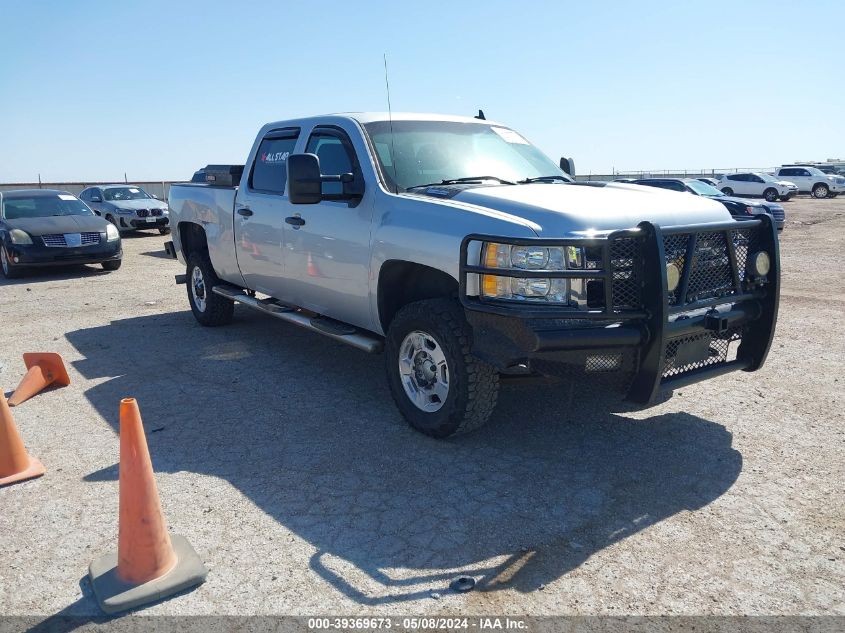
point(464, 253)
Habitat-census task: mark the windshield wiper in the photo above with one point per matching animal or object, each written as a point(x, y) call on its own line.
point(455, 181)
point(543, 179)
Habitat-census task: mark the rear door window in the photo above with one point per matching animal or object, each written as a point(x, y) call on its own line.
point(270, 168)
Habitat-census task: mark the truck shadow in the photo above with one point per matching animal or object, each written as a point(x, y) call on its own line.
point(307, 430)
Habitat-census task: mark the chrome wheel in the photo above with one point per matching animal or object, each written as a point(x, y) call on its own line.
point(198, 288)
point(820, 191)
point(424, 371)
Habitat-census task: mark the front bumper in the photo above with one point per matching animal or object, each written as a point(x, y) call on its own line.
point(651, 338)
point(35, 255)
point(129, 222)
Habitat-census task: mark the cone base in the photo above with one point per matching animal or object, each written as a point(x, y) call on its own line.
point(35, 469)
point(115, 595)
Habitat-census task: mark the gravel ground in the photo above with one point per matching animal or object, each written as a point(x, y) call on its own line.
point(281, 457)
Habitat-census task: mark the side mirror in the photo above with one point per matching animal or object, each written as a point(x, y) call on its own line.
point(96, 199)
point(304, 181)
point(568, 166)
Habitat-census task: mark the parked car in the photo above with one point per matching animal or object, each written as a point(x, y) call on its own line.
point(713, 182)
point(461, 251)
point(758, 185)
point(128, 207)
point(812, 180)
point(740, 208)
point(46, 227)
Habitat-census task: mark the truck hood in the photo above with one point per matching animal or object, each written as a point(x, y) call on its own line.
point(562, 210)
point(134, 205)
point(60, 224)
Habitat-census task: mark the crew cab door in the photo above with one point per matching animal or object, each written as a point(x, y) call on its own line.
point(261, 207)
point(327, 245)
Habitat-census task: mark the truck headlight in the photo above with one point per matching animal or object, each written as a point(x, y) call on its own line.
point(760, 263)
point(20, 237)
point(112, 234)
point(518, 257)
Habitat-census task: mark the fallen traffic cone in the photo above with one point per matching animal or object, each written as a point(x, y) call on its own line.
point(43, 369)
point(15, 464)
point(149, 564)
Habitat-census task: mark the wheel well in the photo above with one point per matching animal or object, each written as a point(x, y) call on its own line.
point(816, 184)
point(401, 283)
point(192, 238)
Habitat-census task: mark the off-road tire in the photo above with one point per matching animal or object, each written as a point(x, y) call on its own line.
point(728, 191)
point(217, 310)
point(770, 195)
point(473, 384)
point(821, 191)
point(111, 265)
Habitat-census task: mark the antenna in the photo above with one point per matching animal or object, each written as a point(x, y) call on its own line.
point(390, 118)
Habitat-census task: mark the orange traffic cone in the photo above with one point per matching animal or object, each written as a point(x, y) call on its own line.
point(150, 564)
point(15, 464)
point(43, 369)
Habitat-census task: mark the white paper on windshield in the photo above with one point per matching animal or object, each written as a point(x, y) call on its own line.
point(132, 190)
point(64, 196)
point(509, 135)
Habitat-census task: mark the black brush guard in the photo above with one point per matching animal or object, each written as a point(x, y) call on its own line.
point(637, 311)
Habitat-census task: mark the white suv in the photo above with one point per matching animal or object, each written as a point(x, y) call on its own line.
point(813, 180)
point(757, 184)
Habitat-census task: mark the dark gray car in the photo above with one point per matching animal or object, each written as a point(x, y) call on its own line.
point(45, 227)
point(128, 207)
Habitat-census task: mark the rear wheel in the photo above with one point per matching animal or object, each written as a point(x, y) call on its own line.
point(209, 309)
point(770, 195)
point(728, 191)
point(439, 386)
point(820, 190)
point(9, 271)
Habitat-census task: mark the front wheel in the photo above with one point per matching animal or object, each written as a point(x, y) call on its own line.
point(111, 265)
point(728, 191)
point(820, 191)
point(9, 271)
point(164, 230)
point(439, 386)
point(770, 195)
point(209, 309)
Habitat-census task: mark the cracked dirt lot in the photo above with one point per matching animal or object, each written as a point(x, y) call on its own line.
point(281, 457)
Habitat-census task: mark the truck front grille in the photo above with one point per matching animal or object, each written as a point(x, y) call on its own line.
point(626, 273)
point(704, 259)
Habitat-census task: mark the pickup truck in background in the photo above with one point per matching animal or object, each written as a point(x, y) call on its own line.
point(463, 253)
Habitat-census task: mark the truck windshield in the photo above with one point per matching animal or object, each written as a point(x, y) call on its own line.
point(421, 152)
point(125, 193)
point(43, 206)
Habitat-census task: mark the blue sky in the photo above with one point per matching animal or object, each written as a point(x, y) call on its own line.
point(93, 90)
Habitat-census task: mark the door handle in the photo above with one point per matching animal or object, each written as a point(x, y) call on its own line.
point(245, 211)
point(295, 220)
